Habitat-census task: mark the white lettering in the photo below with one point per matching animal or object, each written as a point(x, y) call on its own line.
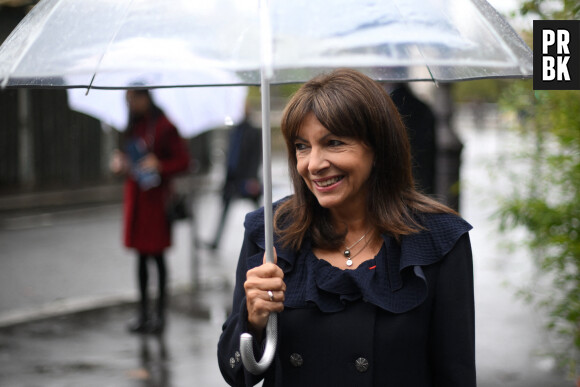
point(563, 40)
point(548, 39)
point(548, 71)
point(563, 68)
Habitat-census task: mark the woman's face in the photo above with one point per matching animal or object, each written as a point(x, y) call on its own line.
point(138, 103)
point(336, 169)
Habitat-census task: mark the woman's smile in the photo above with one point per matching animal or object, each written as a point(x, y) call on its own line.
point(328, 183)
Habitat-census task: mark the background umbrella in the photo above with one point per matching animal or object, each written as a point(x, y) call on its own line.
point(440, 40)
point(191, 110)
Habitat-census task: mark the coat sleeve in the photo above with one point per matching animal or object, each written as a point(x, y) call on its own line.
point(229, 358)
point(176, 157)
point(452, 347)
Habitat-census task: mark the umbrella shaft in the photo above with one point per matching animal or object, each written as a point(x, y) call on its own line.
point(266, 75)
point(266, 41)
point(267, 168)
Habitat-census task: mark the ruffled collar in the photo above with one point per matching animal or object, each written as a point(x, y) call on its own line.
point(393, 280)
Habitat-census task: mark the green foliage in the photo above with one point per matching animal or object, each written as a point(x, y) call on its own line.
point(285, 90)
point(553, 9)
point(485, 90)
point(280, 91)
point(547, 205)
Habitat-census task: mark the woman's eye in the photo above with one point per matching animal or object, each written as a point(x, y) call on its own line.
point(299, 146)
point(335, 143)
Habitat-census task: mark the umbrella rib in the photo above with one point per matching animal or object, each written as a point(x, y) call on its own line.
point(422, 56)
point(483, 8)
point(29, 44)
point(431, 74)
point(428, 67)
point(113, 37)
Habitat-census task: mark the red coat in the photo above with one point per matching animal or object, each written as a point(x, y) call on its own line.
point(146, 228)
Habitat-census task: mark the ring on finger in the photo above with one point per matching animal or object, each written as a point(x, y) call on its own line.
point(271, 295)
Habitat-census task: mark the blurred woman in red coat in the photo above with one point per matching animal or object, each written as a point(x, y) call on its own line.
point(153, 152)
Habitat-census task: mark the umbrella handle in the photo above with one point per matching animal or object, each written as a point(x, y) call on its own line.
point(247, 348)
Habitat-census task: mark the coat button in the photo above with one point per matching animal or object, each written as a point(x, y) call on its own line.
point(296, 360)
point(361, 364)
point(238, 356)
point(232, 362)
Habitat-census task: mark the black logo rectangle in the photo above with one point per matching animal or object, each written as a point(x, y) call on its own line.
point(556, 54)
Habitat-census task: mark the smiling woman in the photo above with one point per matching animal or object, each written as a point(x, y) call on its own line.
point(353, 109)
point(357, 247)
point(335, 169)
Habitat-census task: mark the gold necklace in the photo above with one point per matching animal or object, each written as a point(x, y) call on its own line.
point(346, 251)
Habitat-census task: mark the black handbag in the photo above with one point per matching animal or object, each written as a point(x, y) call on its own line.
point(178, 208)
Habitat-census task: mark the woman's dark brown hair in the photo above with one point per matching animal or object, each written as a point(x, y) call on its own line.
point(350, 104)
point(154, 111)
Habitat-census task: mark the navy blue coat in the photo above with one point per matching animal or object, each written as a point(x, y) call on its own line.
point(404, 318)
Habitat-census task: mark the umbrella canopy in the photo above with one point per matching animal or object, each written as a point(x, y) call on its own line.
point(443, 40)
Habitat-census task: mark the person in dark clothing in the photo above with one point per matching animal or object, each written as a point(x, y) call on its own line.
point(242, 170)
point(373, 280)
point(152, 153)
point(420, 122)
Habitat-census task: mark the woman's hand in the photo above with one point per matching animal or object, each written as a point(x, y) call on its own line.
point(118, 163)
point(260, 280)
point(150, 162)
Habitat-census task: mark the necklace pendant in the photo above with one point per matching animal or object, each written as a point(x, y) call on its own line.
point(349, 262)
point(347, 253)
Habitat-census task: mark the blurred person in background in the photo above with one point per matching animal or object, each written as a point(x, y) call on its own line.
point(152, 153)
point(420, 122)
point(242, 169)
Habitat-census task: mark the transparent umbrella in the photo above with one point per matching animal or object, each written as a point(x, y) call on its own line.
point(389, 40)
point(443, 40)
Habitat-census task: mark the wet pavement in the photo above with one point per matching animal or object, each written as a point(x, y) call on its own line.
point(67, 287)
point(93, 349)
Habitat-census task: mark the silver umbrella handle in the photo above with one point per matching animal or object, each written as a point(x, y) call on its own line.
point(247, 348)
point(246, 339)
